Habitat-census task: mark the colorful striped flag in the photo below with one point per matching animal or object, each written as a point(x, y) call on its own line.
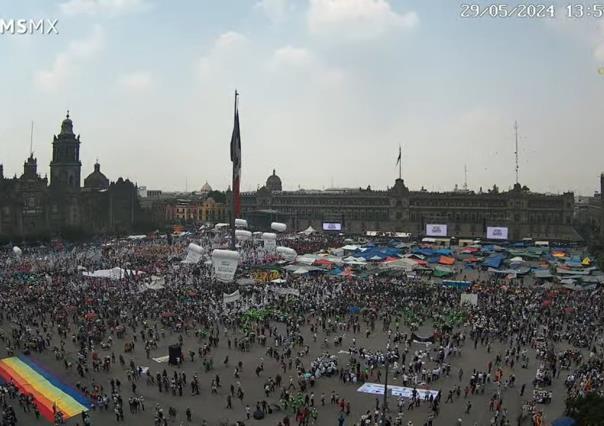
point(47, 390)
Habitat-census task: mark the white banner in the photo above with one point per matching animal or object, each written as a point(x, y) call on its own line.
point(400, 391)
point(497, 233)
point(270, 241)
point(230, 298)
point(436, 230)
point(470, 298)
point(225, 264)
point(286, 290)
point(270, 245)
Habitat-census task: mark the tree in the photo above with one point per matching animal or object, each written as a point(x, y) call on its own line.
point(217, 196)
point(587, 411)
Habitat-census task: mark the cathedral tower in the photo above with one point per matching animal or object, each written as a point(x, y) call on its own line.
point(65, 167)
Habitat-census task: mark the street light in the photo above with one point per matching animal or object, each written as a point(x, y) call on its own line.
point(385, 403)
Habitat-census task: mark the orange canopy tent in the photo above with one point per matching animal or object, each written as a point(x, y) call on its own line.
point(446, 260)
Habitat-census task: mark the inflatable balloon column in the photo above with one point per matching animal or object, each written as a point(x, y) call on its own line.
point(287, 253)
point(18, 252)
point(243, 235)
point(270, 242)
point(225, 264)
point(240, 223)
point(194, 253)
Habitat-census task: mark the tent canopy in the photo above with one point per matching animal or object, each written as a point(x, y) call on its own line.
point(446, 260)
point(308, 231)
point(564, 421)
point(493, 261)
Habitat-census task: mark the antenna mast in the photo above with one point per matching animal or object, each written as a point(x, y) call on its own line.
point(31, 140)
point(465, 178)
point(516, 152)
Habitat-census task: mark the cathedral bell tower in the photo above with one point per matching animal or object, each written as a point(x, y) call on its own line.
point(65, 167)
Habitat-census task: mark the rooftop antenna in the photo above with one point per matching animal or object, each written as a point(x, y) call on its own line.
point(31, 140)
point(516, 152)
point(465, 180)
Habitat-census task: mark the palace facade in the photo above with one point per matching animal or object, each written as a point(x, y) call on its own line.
point(467, 214)
point(33, 207)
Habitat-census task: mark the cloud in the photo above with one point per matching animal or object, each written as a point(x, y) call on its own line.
point(95, 7)
point(226, 54)
point(357, 19)
point(292, 56)
point(136, 81)
point(67, 62)
point(275, 10)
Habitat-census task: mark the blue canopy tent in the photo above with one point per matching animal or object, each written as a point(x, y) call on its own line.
point(493, 261)
point(457, 284)
point(564, 421)
point(424, 252)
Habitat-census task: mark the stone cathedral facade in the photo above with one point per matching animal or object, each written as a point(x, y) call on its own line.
point(33, 207)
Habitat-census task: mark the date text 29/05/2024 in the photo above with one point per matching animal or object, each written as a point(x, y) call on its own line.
point(502, 10)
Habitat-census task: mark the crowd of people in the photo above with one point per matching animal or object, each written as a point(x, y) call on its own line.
point(336, 332)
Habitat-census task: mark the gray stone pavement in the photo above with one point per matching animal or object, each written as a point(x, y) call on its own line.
point(211, 407)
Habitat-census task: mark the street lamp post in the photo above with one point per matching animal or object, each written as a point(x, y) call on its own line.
point(385, 402)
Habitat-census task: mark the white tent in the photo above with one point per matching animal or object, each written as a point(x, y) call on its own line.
point(308, 231)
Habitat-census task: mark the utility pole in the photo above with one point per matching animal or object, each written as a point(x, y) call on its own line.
point(516, 152)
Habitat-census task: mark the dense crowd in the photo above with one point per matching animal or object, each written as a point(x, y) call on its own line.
point(95, 326)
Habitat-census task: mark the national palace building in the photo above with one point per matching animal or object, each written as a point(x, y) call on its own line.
point(467, 214)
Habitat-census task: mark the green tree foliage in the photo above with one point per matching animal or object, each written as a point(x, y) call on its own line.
point(588, 411)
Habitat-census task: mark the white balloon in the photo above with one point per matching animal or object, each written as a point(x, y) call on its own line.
point(195, 248)
point(287, 253)
point(225, 264)
point(242, 235)
point(279, 227)
point(17, 251)
point(241, 223)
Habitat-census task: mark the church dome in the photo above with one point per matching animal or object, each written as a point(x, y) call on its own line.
point(273, 183)
point(67, 125)
point(206, 188)
point(96, 180)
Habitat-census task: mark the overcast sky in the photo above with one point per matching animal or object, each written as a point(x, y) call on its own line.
point(329, 89)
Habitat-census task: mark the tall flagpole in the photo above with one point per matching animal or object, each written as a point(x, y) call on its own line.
point(233, 195)
point(400, 163)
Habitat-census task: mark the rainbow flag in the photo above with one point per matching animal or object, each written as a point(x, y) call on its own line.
point(46, 389)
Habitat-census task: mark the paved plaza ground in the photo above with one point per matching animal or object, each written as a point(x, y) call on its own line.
point(211, 407)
